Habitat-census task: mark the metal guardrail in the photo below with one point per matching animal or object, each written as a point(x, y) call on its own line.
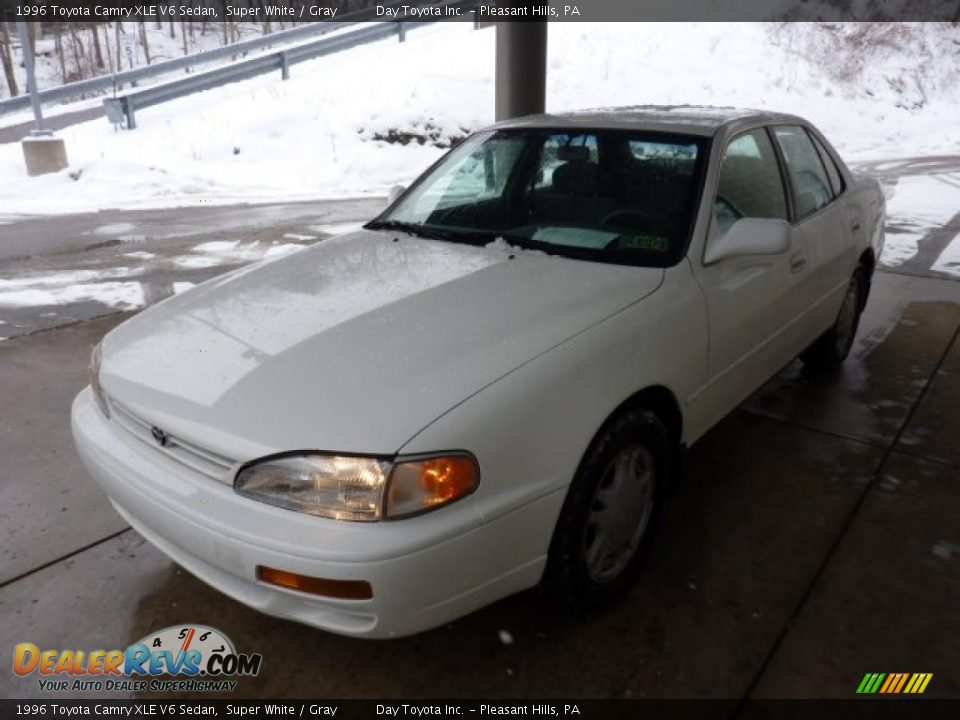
point(124, 107)
point(129, 77)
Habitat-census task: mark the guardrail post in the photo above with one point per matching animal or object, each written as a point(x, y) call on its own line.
point(284, 66)
point(128, 111)
point(401, 32)
point(113, 107)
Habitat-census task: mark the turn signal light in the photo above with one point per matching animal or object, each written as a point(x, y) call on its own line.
point(419, 485)
point(340, 589)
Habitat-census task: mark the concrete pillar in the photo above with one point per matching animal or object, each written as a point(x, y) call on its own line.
point(521, 69)
point(44, 154)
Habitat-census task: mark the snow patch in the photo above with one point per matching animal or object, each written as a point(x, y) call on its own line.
point(916, 205)
point(224, 252)
point(68, 278)
point(119, 295)
point(113, 229)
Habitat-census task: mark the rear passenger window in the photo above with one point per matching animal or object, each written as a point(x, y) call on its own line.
point(811, 187)
point(750, 184)
point(836, 179)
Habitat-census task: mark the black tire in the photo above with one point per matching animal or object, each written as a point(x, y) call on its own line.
point(576, 572)
point(832, 348)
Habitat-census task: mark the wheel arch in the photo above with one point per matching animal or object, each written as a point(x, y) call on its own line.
point(660, 400)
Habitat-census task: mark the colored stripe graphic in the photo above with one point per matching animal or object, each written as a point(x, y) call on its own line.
point(903, 681)
point(894, 683)
point(891, 679)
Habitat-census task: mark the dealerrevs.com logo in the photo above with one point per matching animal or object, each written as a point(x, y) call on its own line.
point(201, 658)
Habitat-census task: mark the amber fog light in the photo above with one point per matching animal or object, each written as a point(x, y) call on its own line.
point(340, 589)
point(419, 485)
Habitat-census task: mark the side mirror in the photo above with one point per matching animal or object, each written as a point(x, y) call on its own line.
point(395, 192)
point(749, 236)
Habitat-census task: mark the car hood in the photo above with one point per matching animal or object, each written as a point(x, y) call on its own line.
point(351, 345)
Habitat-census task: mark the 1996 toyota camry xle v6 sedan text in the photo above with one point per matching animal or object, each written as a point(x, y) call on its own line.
point(487, 387)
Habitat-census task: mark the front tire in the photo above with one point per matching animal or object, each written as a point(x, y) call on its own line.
point(832, 348)
point(611, 512)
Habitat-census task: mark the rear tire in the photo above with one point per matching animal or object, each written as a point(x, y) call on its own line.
point(611, 512)
point(832, 348)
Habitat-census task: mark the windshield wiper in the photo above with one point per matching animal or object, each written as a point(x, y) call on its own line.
point(414, 229)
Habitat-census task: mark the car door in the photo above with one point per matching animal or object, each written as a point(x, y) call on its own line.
point(753, 300)
point(821, 220)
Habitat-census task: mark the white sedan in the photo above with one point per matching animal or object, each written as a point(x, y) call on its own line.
point(490, 386)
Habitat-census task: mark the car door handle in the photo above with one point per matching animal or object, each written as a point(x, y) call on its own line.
point(798, 261)
point(855, 226)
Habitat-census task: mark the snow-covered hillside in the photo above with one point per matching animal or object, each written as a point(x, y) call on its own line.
point(317, 135)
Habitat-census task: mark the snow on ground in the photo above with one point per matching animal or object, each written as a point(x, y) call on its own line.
point(916, 205)
point(65, 288)
point(221, 252)
point(115, 294)
point(316, 134)
point(122, 287)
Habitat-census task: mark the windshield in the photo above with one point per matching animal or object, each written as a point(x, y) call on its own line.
point(606, 195)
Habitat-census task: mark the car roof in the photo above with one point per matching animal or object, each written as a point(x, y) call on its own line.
point(702, 120)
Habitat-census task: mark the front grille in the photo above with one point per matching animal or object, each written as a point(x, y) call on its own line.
point(204, 461)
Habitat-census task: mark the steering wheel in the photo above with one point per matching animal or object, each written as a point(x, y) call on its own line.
point(633, 218)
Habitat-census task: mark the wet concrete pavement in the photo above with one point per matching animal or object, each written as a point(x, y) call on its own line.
point(64, 269)
point(813, 540)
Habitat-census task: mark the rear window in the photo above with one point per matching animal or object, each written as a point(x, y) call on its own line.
point(808, 177)
point(833, 173)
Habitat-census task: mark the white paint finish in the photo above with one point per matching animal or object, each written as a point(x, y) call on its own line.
point(388, 334)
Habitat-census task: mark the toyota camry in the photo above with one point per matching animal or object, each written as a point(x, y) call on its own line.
point(490, 386)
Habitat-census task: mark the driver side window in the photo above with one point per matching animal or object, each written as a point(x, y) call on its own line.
point(750, 184)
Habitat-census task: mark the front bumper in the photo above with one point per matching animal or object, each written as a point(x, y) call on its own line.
point(424, 571)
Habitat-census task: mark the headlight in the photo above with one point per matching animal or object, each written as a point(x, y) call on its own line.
point(358, 489)
point(98, 394)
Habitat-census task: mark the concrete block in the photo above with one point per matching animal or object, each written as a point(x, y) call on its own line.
point(44, 154)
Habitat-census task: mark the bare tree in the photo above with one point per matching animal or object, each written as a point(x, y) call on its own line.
point(79, 55)
point(6, 57)
point(143, 40)
point(58, 47)
point(97, 52)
